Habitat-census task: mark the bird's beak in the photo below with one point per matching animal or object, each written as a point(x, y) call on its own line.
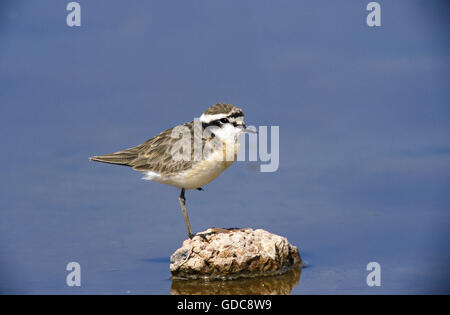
point(249, 130)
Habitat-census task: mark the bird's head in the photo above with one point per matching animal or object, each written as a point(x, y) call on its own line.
point(224, 120)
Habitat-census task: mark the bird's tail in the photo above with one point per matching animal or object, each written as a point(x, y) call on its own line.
point(124, 157)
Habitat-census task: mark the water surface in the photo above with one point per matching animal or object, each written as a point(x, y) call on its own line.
point(363, 113)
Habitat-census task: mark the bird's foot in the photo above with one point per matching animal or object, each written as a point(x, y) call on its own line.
point(200, 188)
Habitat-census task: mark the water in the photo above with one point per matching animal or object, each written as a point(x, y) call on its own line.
point(282, 284)
point(126, 249)
point(364, 157)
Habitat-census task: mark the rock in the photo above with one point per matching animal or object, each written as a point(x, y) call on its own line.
point(233, 253)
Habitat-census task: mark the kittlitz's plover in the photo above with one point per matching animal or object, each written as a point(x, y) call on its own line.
point(219, 128)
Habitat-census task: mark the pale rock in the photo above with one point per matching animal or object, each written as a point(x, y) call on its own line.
point(233, 253)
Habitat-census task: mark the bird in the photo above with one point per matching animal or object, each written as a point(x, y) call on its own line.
point(190, 155)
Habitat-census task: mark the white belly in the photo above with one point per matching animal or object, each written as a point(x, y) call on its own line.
point(202, 173)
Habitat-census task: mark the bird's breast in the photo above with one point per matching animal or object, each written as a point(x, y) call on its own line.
point(204, 171)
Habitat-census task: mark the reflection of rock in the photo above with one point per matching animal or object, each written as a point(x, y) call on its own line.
point(234, 253)
point(282, 284)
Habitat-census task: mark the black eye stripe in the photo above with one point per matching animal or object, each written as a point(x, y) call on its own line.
point(216, 123)
point(237, 114)
point(212, 123)
point(220, 122)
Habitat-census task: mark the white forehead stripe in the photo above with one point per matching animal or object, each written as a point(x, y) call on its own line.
point(208, 118)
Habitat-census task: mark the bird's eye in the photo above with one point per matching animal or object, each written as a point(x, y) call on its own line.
point(224, 120)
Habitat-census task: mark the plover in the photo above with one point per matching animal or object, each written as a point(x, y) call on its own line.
point(161, 158)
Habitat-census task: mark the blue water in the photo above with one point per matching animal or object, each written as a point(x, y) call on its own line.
point(364, 126)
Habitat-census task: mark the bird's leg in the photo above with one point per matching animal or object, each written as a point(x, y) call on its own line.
point(182, 200)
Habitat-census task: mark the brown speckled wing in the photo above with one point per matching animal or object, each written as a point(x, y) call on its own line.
point(152, 155)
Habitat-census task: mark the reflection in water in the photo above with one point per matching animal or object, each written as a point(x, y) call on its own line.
point(282, 284)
